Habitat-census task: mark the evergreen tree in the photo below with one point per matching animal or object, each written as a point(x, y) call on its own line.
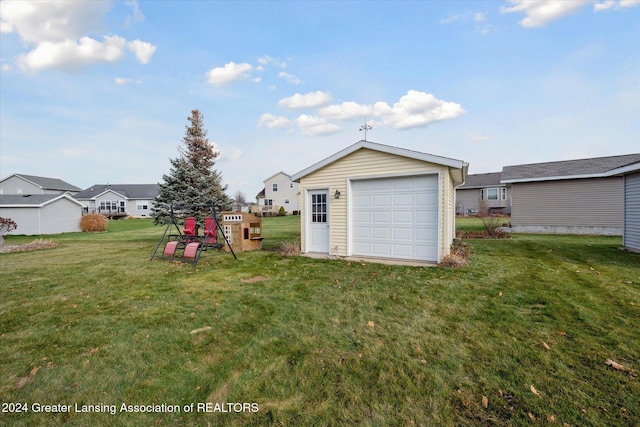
point(192, 180)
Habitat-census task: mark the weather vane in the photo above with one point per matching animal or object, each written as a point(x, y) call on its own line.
point(365, 127)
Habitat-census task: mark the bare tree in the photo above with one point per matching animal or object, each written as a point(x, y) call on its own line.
point(240, 200)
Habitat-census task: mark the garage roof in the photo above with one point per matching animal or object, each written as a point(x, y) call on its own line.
point(452, 163)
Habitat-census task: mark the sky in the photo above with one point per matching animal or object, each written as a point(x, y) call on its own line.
point(96, 92)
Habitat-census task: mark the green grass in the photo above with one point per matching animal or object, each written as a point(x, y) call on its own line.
point(320, 342)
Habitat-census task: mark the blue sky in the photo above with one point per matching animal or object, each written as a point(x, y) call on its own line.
point(95, 92)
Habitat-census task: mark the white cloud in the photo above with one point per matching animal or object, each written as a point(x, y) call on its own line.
point(541, 12)
point(274, 122)
point(233, 153)
point(266, 60)
point(124, 80)
point(143, 50)
point(413, 109)
point(70, 54)
point(289, 78)
point(59, 29)
point(309, 100)
point(313, 125)
point(613, 4)
point(229, 73)
point(449, 20)
point(136, 15)
point(479, 138)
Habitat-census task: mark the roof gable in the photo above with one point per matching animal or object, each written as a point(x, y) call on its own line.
point(430, 158)
point(568, 169)
point(279, 173)
point(45, 183)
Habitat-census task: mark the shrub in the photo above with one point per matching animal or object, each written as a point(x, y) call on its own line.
point(459, 255)
point(290, 247)
point(7, 225)
point(282, 212)
point(93, 222)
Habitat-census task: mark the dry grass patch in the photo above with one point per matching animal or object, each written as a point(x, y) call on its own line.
point(32, 246)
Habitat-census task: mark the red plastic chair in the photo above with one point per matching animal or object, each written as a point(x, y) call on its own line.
point(210, 231)
point(190, 229)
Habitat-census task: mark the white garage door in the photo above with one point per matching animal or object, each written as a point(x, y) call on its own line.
point(395, 217)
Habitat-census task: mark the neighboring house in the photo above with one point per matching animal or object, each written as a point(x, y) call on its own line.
point(483, 191)
point(631, 217)
point(378, 202)
point(279, 190)
point(568, 197)
point(42, 213)
point(30, 184)
point(120, 200)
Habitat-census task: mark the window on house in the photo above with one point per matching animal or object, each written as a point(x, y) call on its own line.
point(142, 205)
point(268, 202)
point(291, 185)
point(286, 201)
point(482, 194)
point(504, 194)
point(492, 194)
point(109, 205)
point(275, 187)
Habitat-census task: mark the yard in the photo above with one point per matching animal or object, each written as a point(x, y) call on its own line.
point(519, 337)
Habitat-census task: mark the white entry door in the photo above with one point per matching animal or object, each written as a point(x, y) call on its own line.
point(318, 218)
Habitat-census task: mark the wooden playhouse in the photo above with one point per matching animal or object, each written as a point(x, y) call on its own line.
point(242, 230)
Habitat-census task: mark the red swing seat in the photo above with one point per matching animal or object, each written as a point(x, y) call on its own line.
point(210, 231)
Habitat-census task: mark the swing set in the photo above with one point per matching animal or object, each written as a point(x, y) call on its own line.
point(188, 244)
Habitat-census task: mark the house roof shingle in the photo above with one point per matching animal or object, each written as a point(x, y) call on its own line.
point(130, 191)
point(482, 180)
point(568, 169)
point(35, 200)
point(48, 183)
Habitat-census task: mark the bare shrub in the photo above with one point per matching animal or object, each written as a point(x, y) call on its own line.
point(7, 225)
point(290, 247)
point(458, 257)
point(93, 222)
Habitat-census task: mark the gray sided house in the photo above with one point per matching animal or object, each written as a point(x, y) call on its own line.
point(38, 214)
point(631, 219)
point(31, 184)
point(583, 196)
point(483, 191)
point(119, 200)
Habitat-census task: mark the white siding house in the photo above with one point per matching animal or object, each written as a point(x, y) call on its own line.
point(120, 200)
point(374, 201)
point(483, 191)
point(279, 190)
point(42, 213)
point(31, 184)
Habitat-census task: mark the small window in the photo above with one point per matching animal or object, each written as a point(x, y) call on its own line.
point(291, 185)
point(504, 194)
point(275, 187)
point(268, 202)
point(492, 194)
point(286, 201)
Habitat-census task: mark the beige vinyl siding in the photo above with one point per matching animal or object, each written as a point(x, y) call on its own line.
point(631, 235)
point(369, 163)
point(582, 206)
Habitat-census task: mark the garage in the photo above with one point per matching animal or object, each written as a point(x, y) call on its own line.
point(377, 202)
point(395, 218)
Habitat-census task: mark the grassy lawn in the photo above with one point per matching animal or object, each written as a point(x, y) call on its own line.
point(522, 334)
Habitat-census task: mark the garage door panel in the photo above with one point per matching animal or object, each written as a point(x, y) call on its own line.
point(405, 200)
point(403, 217)
point(383, 217)
point(396, 217)
point(381, 233)
point(403, 234)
